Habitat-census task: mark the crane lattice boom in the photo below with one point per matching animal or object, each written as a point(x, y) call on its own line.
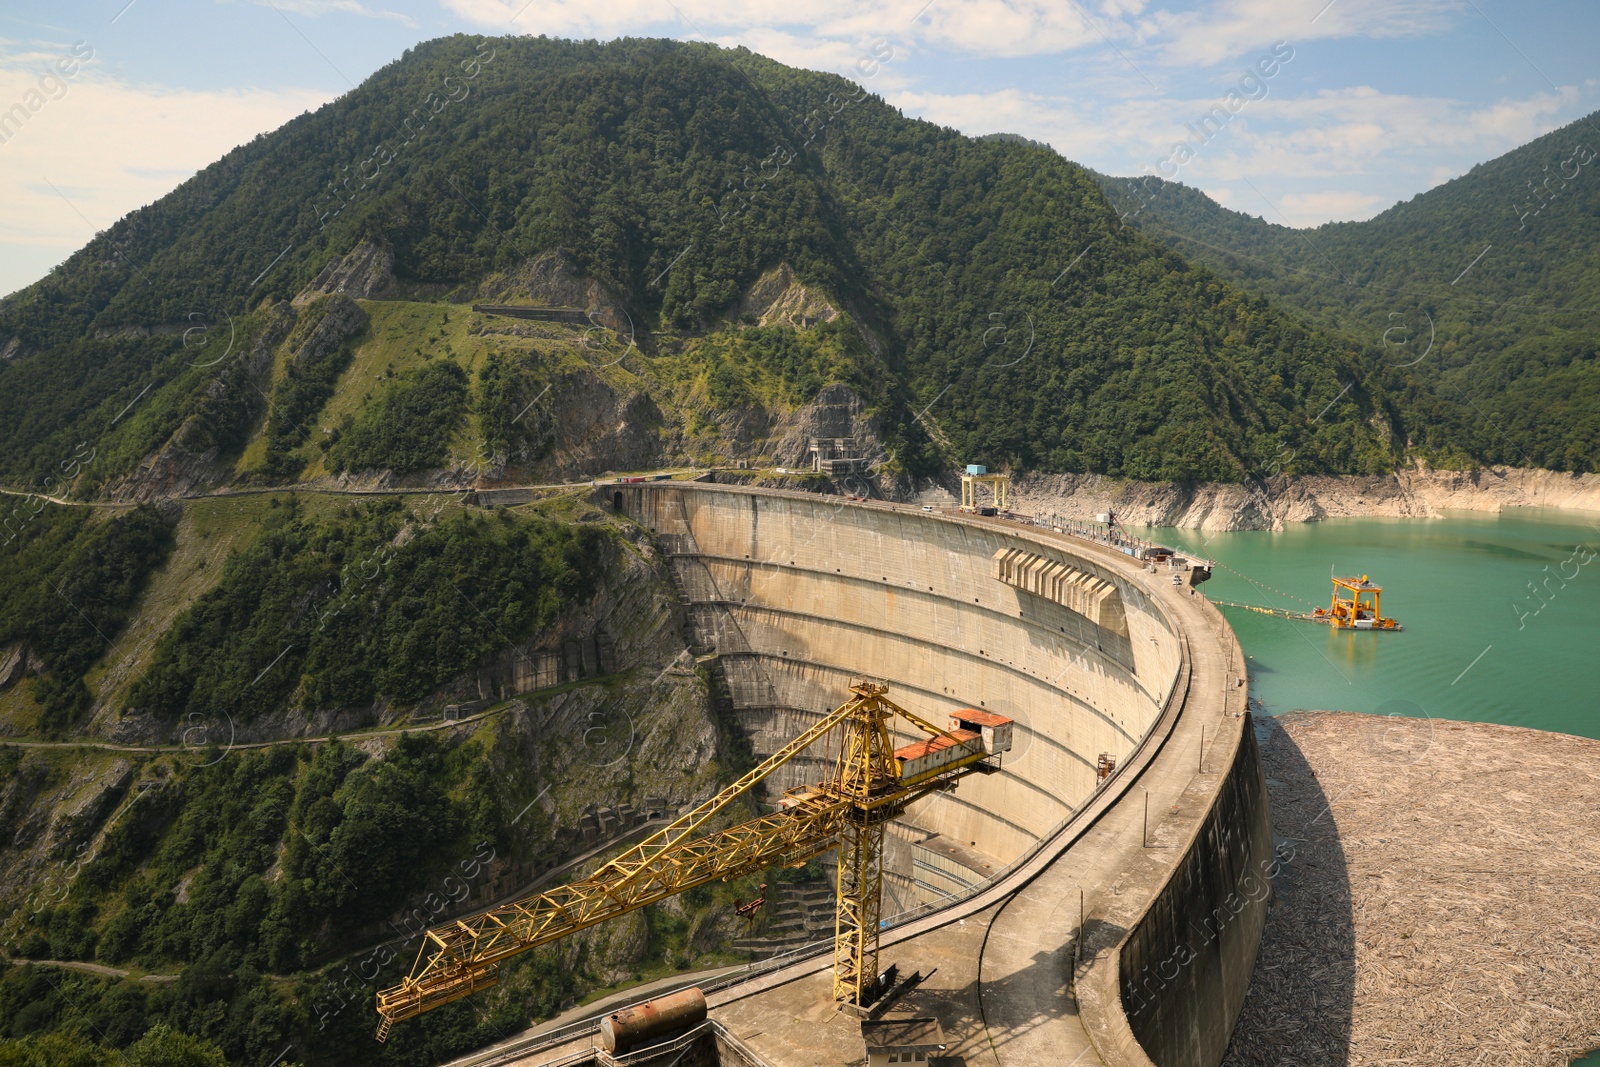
point(870, 784)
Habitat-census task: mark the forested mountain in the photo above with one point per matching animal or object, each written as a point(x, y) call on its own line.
point(1486, 288)
point(248, 721)
point(996, 309)
point(216, 859)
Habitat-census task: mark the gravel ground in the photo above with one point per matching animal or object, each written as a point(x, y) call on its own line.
point(1440, 901)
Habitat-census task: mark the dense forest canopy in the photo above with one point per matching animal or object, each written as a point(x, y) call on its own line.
point(1485, 290)
point(1012, 317)
point(274, 885)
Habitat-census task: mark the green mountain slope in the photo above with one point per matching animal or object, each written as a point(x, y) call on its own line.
point(275, 877)
point(759, 254)
point(999, 309)
point(1499, 269)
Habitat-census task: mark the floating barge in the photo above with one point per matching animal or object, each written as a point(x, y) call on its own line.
point(1358, 611)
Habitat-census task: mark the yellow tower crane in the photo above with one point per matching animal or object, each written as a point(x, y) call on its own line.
point(870, 784)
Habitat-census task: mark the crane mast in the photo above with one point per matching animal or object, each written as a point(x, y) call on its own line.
point(870, 784)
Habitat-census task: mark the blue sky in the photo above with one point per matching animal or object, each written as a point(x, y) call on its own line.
point(1378, 99)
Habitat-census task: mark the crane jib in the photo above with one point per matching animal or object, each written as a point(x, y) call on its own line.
point(870, 783)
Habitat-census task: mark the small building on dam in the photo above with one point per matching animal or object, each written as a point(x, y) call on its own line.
point(1098, 899)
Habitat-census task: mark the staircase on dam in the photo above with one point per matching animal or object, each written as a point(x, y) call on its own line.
point(803, 916)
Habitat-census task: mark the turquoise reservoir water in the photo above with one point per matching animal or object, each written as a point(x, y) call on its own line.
point(1501, 615)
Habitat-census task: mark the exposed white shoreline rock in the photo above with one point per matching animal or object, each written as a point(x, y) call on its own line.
point(1415, 492)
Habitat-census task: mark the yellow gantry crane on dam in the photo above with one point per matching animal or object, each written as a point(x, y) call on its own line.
point(869, 784)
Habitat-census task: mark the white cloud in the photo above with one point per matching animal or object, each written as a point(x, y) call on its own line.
point(983, 27)
point(1310, 209)
point(1306, 153)
point(1082, 133)
point(314, 8)
point(1351, 130)
point(1213, 33)
point(877, 64)
point(704, 18)
point(1229, 29)
point(110, 147)
point(1012, 27)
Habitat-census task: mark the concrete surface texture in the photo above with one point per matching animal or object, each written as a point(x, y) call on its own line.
point(799, 595)
point(1438, 900)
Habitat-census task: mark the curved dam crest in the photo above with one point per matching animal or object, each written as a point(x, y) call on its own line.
point(1069, 910)
point(799, 596)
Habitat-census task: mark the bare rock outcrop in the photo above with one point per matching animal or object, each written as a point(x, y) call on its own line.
point(13, 348)
point(837, 411)
point(778, 298)
point(631, 621)
point(170, 471)
point(78, 820)
point(341, 321)
point(552, 279)
point(187, 461)
point(1413, 492)
point(366, 272)
point(13, 664)
point(588, 426)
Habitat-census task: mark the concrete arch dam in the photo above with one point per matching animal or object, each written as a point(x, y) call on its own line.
point(1114, 921)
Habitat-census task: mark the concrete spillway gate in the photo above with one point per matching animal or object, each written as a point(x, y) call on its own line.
point(1116, 920)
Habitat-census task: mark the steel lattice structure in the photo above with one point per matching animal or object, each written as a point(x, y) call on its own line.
point(849, 809)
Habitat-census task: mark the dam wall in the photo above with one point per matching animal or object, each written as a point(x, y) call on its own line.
point(1186, 964)
point(799, 595)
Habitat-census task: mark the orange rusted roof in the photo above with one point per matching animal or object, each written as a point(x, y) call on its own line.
point(918, 749)
point(982, 718)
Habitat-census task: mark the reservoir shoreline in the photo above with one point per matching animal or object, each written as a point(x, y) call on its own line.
point(1415, 492)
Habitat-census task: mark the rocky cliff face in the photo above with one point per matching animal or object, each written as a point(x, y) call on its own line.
point(187, 462)
point(13, 663)
point(633, 621)
point(366, 272)
point(836, 412)
point(551, 279)
point(343, 321)
point(1414, 492)
point(778, 298)
point(170, 471)
point(592, 427)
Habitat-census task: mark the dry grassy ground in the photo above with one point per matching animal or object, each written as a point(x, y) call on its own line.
point(1442, 902)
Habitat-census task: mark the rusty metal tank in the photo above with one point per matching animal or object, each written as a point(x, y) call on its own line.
point(639, 1025)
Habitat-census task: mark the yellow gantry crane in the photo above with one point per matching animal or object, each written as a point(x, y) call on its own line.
point(1359, 610)
point(870, 784)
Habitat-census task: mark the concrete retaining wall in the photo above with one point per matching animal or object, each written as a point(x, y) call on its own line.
point(1187, 963)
